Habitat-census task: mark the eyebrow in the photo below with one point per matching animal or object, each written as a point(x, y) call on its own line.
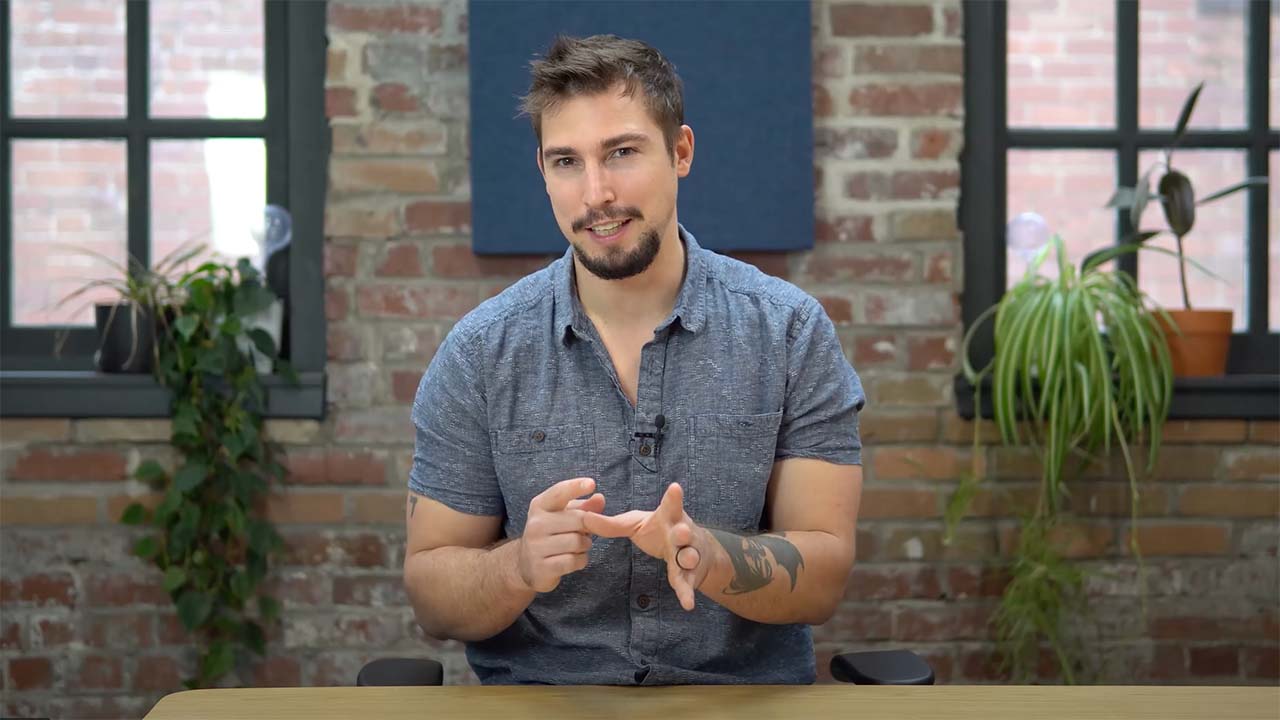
point(633, 137)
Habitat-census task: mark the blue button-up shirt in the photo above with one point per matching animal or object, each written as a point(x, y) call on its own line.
point(522, 394)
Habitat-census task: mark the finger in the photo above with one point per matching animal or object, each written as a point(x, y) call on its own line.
point(680, 583)
point(595, 503)
point(681, 535)
point(562, 543)
point(566, 563)
point(688, 558)
point(672, 505)
point(558, 496)
point(623, 525)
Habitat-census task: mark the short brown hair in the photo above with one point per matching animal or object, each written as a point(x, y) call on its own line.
point(592, 65)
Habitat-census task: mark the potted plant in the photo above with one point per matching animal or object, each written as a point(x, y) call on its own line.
point(126, 326)
point(209, 535)
point(1198, 338)
point(1080, 366)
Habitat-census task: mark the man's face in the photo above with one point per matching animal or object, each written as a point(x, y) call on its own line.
point(604, 162)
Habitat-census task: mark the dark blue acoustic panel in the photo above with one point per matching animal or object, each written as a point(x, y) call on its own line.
point(746, 72)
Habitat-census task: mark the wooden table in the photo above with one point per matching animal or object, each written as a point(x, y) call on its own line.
point(938, 702)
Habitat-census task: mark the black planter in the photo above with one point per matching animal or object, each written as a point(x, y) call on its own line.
point(126, 338)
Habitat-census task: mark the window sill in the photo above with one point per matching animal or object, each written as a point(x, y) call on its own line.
point(1239, 397)
point(87, 394)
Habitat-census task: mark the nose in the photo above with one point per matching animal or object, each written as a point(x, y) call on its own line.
point(599, 189)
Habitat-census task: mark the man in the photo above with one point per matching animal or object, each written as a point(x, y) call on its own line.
point(701, 399)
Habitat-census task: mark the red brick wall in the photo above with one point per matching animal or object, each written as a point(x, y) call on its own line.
point(86, 630)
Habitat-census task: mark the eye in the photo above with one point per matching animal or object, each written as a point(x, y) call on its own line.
point(629, 151)
point(563, 162)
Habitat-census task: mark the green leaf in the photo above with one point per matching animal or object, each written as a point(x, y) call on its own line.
point(1178, 199)
point(194, 607)
point(1141, 195)
point(269, 607)
point(186, 421)
point(174, 578)
point(240, 586)
point(146, 548)
point(190, 476)
point(286, 369)
point(262, 340)
point(254, 638)
point(1259, 181)
point(218, 661)
point(187, 326)
point(214, 363)
point(135, 514)
point(1184, 117)
point(1121, 198)
point(262, 537)
point(169, 505)
point(149, 472)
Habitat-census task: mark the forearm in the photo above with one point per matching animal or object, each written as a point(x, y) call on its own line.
point(784, 577)
point(466, 594)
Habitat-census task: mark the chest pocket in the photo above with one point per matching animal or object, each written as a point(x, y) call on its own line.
point(730, 460)
point(532, 459)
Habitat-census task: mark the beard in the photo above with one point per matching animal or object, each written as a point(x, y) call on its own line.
point(619, 264)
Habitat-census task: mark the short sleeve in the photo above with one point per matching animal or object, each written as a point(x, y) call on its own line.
point(452, 462)
point(824, 394)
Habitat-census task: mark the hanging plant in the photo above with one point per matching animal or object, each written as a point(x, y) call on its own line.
point(211, 539)
point(1080, 366)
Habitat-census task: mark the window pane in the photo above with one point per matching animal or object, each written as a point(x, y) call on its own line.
point(1218, 240)
point(207, 58)
point(1061, 63)
point(69, 203)
point(1180, 43)
point(1273, 225)
point(67, 58)
point(1058, 192)
point(208, 191)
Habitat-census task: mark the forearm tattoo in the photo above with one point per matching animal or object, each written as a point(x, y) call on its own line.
point(413, 504)
point(752, 568)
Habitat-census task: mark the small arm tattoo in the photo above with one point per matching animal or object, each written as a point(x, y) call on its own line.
point(413, 504)
point(752, 568)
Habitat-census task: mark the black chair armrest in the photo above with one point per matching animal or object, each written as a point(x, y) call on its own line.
point(400, 672)
point(881, 667)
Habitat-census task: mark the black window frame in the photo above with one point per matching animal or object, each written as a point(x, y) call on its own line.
point(1251, 387)
point(35, 383)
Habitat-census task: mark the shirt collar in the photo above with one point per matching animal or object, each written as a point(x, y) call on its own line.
point(691, 302)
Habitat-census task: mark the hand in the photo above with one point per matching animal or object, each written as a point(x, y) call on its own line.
point(667, 533)
point(555, 541)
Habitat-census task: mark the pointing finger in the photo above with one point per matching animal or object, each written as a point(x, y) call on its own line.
point(672, 505)
point(594, 504)
point(623, 525)
point(558, 496)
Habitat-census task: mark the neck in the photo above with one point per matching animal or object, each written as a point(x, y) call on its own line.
point(640, 302)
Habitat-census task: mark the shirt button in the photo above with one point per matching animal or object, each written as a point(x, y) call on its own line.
point(643, 602)
point(538, 436)
point(645, 450)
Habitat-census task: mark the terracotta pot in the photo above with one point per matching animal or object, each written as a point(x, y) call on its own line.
point(1200, 349)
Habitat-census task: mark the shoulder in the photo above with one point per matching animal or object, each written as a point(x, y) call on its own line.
point(745, 283)
point(529, 300)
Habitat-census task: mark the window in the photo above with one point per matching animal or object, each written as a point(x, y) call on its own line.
point(1063, 103)
point(128, 129)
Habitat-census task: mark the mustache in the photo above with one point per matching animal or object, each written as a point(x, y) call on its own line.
point(595, 218)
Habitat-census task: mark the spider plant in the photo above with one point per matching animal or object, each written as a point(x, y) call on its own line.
point(141, 292)
point(1080, 365)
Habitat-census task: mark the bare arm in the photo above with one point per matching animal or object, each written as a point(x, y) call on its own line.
point(466, 585)
point(798, 572)
point(462, 581)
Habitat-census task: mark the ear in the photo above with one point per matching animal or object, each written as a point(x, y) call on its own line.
point(684, 151)
point(538, 161)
